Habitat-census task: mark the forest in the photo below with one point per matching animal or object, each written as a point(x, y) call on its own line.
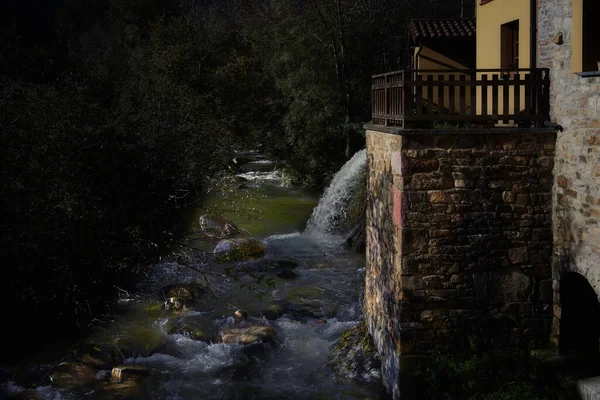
point(115, 115)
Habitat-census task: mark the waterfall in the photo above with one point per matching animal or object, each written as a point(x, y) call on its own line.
point(330, 215)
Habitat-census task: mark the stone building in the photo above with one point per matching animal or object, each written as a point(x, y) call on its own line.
point(482, 223)
point(569, 45)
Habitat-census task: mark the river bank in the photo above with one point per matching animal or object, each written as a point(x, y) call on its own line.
point(294, 302)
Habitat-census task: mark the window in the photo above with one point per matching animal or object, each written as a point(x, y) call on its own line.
point(509, 36)
point(591, 35)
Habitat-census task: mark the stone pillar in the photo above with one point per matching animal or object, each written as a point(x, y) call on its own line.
point(459, 242)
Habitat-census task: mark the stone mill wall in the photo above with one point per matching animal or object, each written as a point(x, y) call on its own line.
point(575, 105)
point(459, 239)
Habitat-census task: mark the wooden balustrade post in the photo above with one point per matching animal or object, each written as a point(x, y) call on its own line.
point(407, 103)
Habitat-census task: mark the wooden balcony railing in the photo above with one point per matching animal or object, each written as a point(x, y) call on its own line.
point(487, 97)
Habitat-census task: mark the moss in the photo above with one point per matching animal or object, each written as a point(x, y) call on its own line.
point(356, 336)
point(258, 211)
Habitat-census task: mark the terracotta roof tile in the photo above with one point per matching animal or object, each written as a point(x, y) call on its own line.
point(442, 29)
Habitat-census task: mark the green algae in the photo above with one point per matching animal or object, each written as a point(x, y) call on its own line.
point(261, 210)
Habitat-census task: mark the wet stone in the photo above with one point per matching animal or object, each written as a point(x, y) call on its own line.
point(69, 375)
point(248, 335)
point(196, 328)
point(124, 373)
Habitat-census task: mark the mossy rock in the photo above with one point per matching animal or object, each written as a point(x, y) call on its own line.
point(119, 390)
point(355, 357)
point(248, 335)
point(307, 302)
point(239, 249)
point(217, 226)
point(188, 290)
point(138, 341)
point(275, 310)
point(124, 373)
point(98, 355)
point(196, 328)
point(70, 375)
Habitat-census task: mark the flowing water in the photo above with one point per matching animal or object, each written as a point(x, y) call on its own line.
point(330, 214)
point(329, 286)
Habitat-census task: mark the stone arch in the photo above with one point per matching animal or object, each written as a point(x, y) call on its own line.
point(580, 315)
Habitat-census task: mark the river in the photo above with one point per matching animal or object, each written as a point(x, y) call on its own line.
point(324, 292)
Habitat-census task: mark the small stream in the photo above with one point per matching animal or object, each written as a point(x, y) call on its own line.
point(326, 291)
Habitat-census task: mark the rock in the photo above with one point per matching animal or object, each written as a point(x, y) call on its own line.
point(124, 373)
point(174, 304)
point(98, 355)
point(119, 390)
point(238, 249)
point(248, 335)
point(275, 310)
point(240, 315)
point(196, 328)
point(189, 291)
point(355, 357)
point(69, 375)
point(217, 226)
point(307, 302)
point(287, 273)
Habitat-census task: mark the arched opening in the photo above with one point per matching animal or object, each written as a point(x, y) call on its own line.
point(580, 316)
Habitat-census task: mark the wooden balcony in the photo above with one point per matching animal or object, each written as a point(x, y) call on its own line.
point(483, 97)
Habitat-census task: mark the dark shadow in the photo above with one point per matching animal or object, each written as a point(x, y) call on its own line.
point(580, 318)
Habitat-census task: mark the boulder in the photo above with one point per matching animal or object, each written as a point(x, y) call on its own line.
point(124, 373)
point(69, 375)
point(248, 335)
point(307, 302)
point(174, 304)
point(217, 226)
point(275, 310)
point(355, 357)
point(240, 315)
point(98, 355)
point(119, 390)
point(195, 327)
point(189, 291)
point(238, 249)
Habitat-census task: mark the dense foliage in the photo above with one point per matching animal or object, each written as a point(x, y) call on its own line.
point(115, 113)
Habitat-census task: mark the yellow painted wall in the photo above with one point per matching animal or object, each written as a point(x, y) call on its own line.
point(490, 17)
point(423, 63)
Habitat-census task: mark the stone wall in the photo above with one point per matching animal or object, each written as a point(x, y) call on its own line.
point(459, 238)
point(575, 105)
